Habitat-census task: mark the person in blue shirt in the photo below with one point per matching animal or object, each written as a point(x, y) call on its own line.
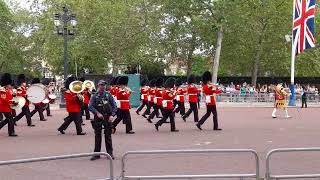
point(104, 107)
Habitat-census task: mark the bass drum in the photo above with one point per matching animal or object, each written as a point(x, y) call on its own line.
point(36, 93)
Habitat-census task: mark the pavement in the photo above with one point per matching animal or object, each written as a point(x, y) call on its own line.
point(248, 128)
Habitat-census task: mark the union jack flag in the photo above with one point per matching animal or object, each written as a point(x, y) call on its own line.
point(303, 25)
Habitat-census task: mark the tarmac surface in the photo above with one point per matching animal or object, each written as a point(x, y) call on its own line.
point(243, 128)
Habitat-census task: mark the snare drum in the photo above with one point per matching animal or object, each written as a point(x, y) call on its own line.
point(36, 93)
point(52, 98)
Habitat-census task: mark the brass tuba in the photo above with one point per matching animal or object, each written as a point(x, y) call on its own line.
point(77, 87)
point(89, 84)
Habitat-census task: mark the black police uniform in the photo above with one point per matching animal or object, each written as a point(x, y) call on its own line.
point(103, 103)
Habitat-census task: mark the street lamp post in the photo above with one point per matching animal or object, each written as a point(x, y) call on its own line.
point(66, 18)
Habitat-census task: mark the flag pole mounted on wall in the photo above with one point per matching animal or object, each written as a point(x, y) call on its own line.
point(302, 34)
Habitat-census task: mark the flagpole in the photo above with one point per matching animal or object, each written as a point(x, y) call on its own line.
point(292, 101)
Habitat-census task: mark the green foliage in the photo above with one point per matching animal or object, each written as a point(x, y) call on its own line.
point(154, 34)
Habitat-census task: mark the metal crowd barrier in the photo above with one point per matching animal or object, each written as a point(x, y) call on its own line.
point(249, 151)
point(52, 158)
point(270, 176)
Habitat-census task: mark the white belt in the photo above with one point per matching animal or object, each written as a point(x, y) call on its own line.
point(124, 100)
point(193, 94)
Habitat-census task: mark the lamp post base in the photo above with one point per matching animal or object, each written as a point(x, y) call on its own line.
point(62, 104)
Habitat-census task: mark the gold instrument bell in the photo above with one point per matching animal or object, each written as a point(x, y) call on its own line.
point(89, 84)
point(76, 87)
point(18, 102)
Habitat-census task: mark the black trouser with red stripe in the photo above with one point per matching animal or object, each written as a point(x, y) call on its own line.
point(25, 112)
point(48, 110)
point(210, 109)
point(143, 103)
point(86, 111)
point(40, 110)
point(75, 117)
point(180, 108)
point(124, 115)
point(155, 111)
point(8, 120)
point(167, 113)
point(149, 106)
point(194, 109)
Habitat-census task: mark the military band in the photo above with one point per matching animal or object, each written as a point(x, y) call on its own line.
point(6, 103)
point(22, 92)
point(193, 99)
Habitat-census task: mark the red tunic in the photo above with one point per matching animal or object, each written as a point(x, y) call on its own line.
point(193, 93)
point(86, 96)
point(167, 102)
point(144, 93)
point(158, 97)
point(151, 95)
point(123, 99)
point(209, 93)
point(180, 94)
point(22, 92)
point(72, 102)
point(5, 100)
point(279, 96)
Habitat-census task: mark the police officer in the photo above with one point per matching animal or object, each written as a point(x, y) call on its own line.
point(103, 106)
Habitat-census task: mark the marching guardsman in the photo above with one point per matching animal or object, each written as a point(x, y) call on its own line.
point(144, 95)
point(39, 107)
point(73, 107)
point(180, 93)
point(86, 99)
point(114, 87)
point(6, 102)
point(193, 99)
point(167, 104)
point(157, 100)
point(280, 100)
point(103, 106)
point(123, 96)
point(151, 93)
point(209, 91)
point(22, 92)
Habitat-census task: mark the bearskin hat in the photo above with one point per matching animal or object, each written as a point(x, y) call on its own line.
point(144, 82)
point(35, 81)
point(6, 79)
point(123, 80)
point(21, 79)
point(115, 80)
point(82, 79)
point(206, 77)
point(45, 81)
point(68, 81)
point(169, 83)
point(178, 82)
point(191, 79)
point(159, 82)
point(152, 83)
